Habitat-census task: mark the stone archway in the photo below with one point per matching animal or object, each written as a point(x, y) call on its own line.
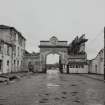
point(52, 46)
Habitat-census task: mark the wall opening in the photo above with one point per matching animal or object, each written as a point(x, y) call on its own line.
point(0, 65)
point(52, 62)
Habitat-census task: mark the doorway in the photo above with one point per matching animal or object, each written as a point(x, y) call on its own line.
point(52, 63)
point(0, 65)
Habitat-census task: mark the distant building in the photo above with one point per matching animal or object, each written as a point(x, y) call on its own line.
point(34, 58)
point(12, 47)
point(77, 57)
point(78, 63)
point(96, 65)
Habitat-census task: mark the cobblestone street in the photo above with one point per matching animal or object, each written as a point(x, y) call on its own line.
point(53, 88)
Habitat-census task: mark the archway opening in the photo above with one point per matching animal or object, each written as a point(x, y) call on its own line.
point(52, 62)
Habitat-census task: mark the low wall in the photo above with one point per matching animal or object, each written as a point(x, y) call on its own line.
point(79, 70)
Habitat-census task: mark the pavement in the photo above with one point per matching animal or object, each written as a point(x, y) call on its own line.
point(12, 76)
point(94, 76)
point(4, 77)
point(53, 88)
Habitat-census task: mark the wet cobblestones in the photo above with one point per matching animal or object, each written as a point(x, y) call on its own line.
point(53, 89)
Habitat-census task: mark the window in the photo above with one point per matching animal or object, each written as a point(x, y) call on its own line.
point(96, 68)
point(76, 66)
point(0, 65)
point(18, 51)
point(79, 66)
point(17, 63)
point(73, 66)
point(82, 66)
point(0, 48)
point(8, 63)
point(101, 59)
point(70, 66)
point(14, 62)
point(8, 53)
point(14, 50)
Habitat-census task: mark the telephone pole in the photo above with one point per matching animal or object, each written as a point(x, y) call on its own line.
point(104, 53)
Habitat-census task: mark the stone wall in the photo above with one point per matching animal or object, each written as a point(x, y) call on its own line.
point(34, 59)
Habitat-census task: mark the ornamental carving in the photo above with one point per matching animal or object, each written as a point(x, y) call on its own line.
point(53, 40)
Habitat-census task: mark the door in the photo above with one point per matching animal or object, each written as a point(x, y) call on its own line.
point(0, 65)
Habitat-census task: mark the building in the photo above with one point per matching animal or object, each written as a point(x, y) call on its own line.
point(12, 47)
point(34, 58)
point(5, 57)
point(77, 56)
point(78, 64)
point(53, 46)
point(96, 65)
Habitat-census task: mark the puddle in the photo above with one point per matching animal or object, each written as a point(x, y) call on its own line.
point(93, 104)
point(74, 85)
point(64, 93)
point(64, 97)
point(46, 94)
point(77, 100)
point(44, 100)
point(56, 98)
point(52, 85)
point(74, 93)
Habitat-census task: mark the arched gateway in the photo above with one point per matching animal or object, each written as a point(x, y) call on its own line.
point(72, 57)
point(53, 46)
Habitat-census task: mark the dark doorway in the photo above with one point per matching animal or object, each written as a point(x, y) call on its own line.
point(0, 65)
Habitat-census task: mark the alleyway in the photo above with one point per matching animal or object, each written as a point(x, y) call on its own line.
point(53, 88)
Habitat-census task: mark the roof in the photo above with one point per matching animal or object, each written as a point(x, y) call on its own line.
point(11, 28)
point(102, 50)
point(50, 46)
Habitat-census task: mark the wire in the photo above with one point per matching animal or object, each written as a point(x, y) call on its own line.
point(97, 36)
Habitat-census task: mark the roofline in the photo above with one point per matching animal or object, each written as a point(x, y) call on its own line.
point(48, 46)
point(97, 54)
point(49, 41)
point(8, 27)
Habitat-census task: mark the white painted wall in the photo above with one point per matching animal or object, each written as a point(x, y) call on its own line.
point(79, 70)
point(99, 61)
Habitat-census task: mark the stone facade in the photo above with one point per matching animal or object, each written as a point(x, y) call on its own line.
point(96, 65)
point(5, 57)
point(34, 58)
point(52, 46)
point(12, 47)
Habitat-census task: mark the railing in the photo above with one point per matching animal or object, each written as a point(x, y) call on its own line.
point(78, 56)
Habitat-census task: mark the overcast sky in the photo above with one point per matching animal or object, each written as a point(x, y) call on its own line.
point(40, 19)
